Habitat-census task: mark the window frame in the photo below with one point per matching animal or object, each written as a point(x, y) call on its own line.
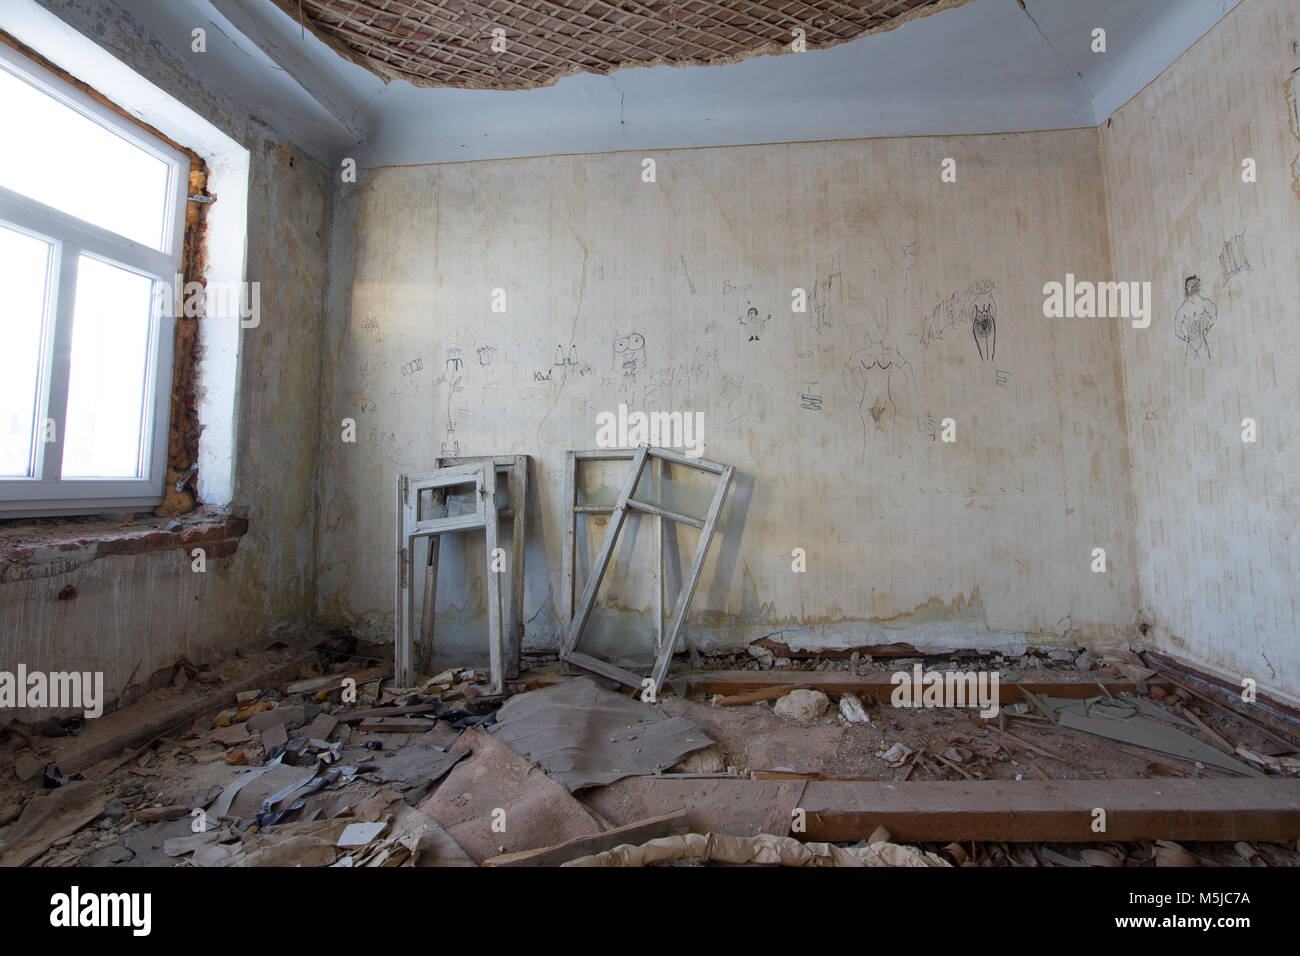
point(44, 491)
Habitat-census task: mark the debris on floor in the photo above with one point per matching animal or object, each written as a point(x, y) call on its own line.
point(585, 736)
point(318, 759)
point(496, 801)
point(48, 819)
point(1117, 718)
point(762, 849)
point(802, 705)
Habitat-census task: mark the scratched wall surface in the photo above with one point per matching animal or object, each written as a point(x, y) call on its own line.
point(132, 615)
point(676, 296)
point(1216, 516)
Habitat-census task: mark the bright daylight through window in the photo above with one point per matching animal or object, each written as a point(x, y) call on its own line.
point(91, 233)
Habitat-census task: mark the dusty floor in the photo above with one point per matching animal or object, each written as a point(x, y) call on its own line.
point(150, 793)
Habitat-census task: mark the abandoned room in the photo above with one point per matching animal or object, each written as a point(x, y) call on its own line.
point(681, 433)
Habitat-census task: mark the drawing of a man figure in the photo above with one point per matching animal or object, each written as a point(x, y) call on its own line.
point(453, 377)
point(1194, 319)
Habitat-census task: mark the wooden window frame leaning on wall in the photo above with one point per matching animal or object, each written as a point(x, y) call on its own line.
point(666, 637)
point(411, 527)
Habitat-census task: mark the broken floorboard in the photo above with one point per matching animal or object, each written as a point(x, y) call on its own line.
point(730, 683)
point(637, 833)
point(163, 711)
point(1054, 811)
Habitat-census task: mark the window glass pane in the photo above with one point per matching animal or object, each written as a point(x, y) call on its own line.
point(451, 501)
point(110, 358)
point(24, 271)
point(47, 146)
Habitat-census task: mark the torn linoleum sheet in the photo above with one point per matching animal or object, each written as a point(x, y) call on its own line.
point(1116, 718)
point(413, 767)
point(496, 784)
point(585, 736)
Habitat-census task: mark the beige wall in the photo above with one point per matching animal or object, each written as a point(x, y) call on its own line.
point(1216, 518)
point(978, 543)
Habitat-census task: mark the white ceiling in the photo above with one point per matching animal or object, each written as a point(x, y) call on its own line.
point(988, 66)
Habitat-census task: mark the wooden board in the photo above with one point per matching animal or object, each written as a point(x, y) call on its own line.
point(331, 682)
point(637, 833)
point(731, 683)
point(1055, 810)
point(141, 721)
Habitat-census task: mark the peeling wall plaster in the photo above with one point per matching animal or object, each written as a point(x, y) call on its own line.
point(982, 543)
point(1216, 517)
point(831, 417)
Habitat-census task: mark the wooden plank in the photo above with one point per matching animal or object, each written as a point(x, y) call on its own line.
point(806, 775)
point(1055, 810)
point(605, 669)
point(401, 619)
point(518, 493)
point(147, 718)
point(753, 696)
point(699, 464)
point(314, 685)
point(729, 683)
point(1235, 700)
point(403, 725)
point(658, 512)
point(568, 546)
point(492, 581)
point(600, 454)
point(634, 833)
point(1281, 714)
point(657, 479)
point(374, 712)
point(430, 607)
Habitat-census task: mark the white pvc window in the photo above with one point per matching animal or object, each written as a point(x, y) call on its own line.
point(92, 216)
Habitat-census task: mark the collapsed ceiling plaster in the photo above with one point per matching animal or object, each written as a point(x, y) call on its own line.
point(525, 44)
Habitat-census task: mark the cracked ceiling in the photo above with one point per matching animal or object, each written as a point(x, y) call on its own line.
point(450, 43)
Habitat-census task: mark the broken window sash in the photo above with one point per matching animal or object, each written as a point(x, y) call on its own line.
point(431, 487)
point(512, 504)
point(628, 500)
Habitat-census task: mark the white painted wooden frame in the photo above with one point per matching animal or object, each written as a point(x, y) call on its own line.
point(44, 490)
point(514, 469)
point(409, 528)
point(665, 636)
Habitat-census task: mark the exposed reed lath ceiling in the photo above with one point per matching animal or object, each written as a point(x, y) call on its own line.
point(450, 42)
